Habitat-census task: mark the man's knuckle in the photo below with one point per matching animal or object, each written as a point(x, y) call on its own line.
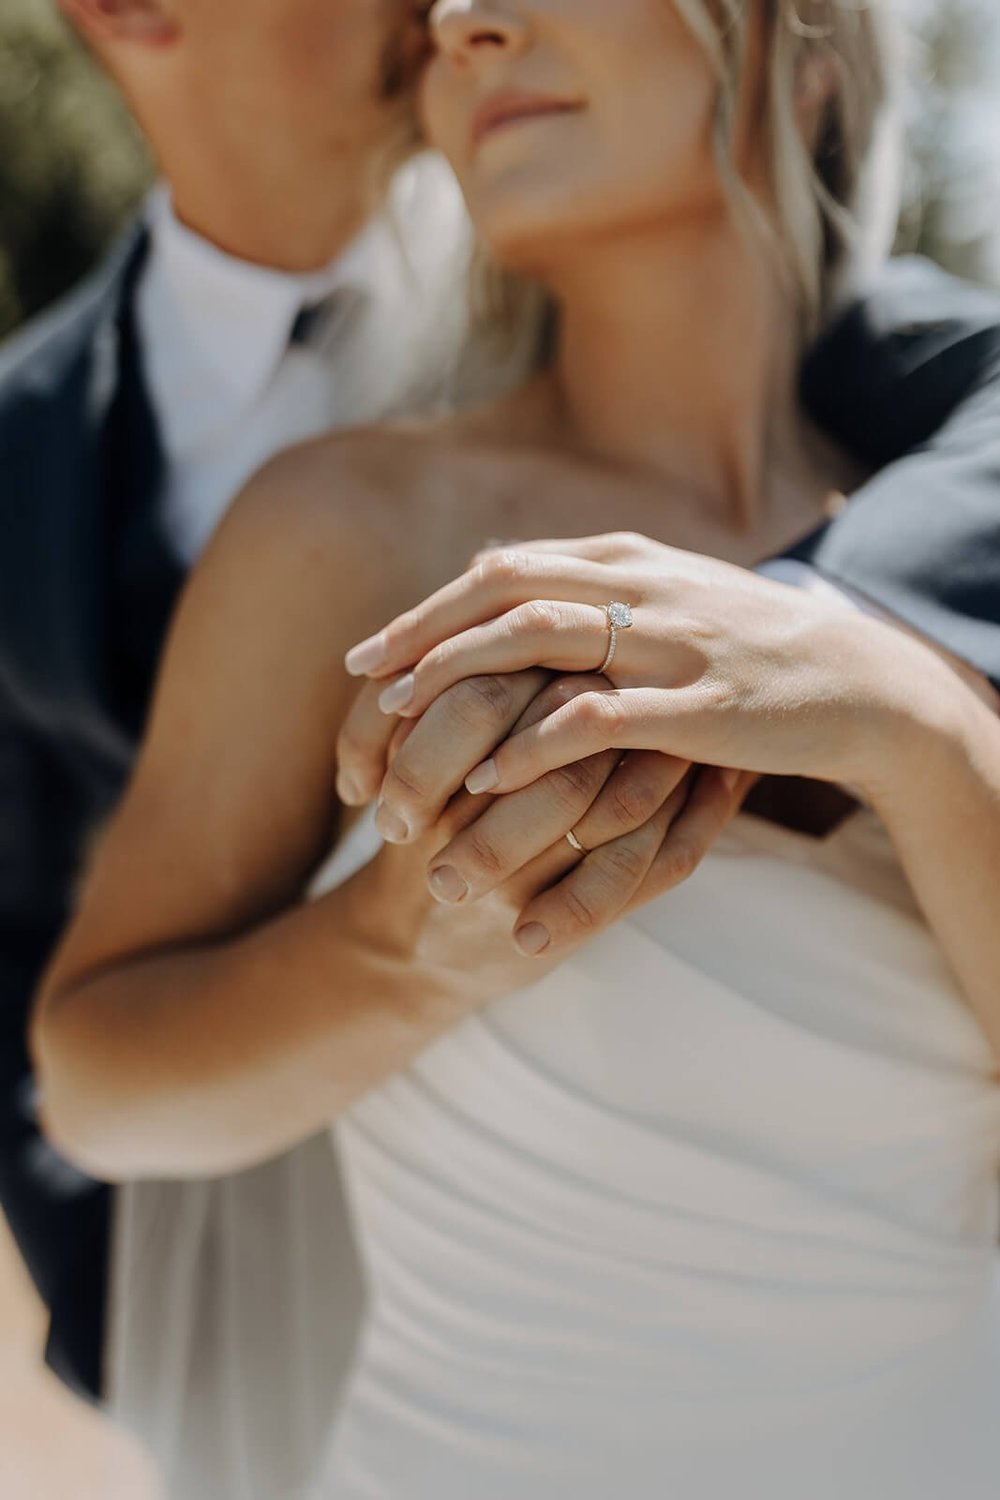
point(482, 856)
point(680, 860)
point(622, 863)
point(580, 912)
point(574, 784)
point(633, 800)
point(482, 701)
point(404, 784)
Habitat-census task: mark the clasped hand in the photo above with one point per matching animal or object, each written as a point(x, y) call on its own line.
point(721, 669)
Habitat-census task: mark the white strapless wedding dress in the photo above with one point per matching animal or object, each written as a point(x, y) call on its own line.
point(710, 1212)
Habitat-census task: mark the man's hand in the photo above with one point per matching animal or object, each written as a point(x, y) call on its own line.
point(645, 820)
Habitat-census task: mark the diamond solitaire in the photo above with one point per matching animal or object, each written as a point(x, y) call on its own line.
point(619, 618)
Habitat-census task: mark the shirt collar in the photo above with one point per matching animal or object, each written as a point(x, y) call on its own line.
point(234, 317)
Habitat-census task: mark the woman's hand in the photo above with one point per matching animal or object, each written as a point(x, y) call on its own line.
point(645, 820)
point(721, 667)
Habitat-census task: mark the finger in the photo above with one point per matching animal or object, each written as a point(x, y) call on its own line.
point(460, 811)
point(363, 748)
point(547, 869)
point(556, 694)
point(515, 830)
point(601, 887)
point(598, 800)
point(634, 792)
point(592, 548)
point(452, 735)
point(564, 637)
point(524, 825)
point(500, 582)
point(715, 799)
point(621, 719)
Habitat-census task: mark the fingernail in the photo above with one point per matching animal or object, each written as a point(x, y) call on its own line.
point(730, 778)
point(349, 792)
point(366, 656)
point(397, 695)
point(483, 778)
point(393, 828)
point(447, 885)
point(532, 939)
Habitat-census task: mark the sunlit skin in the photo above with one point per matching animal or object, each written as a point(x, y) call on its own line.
point(269, 118)
point(543, 185)
point(617, 206)
point(670, 412)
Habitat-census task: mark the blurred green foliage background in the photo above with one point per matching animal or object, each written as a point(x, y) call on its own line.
point(72, 166)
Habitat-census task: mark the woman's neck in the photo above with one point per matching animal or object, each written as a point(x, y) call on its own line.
point(678, 354)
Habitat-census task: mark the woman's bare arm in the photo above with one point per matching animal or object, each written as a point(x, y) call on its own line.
point(198, 1016)
point(936, 787)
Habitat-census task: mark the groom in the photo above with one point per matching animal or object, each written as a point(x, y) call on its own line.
point(262, 299)
point(130, 417)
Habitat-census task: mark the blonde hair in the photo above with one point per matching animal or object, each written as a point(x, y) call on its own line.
point(835, 203)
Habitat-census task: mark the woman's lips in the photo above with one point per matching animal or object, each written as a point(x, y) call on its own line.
point(501, 110)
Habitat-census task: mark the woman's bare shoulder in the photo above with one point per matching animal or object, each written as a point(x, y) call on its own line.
point(342, 524)
point(380, 512)
point(342, 488)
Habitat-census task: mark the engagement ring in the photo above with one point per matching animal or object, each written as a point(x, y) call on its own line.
point(619, 618)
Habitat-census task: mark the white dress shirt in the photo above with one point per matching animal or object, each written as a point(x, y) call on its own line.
point(229, 389)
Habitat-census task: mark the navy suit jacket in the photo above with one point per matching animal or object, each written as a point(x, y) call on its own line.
point(86, 586)
point(909, 380)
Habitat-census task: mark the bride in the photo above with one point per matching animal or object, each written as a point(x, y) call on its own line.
point(710, 1206)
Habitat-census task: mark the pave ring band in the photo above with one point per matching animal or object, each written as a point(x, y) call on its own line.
point(574, 843)
point(619, 618)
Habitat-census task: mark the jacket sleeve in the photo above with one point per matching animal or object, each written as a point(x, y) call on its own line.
point(908, 381)
point(59, 1218)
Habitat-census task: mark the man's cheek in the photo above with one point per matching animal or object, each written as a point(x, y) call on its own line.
point(405, 54)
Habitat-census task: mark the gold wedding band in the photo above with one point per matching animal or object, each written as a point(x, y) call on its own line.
point(574, 843)
point(619, 617)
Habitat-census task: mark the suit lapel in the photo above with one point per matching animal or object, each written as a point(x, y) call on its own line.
point(86, 605)
point(143, 576)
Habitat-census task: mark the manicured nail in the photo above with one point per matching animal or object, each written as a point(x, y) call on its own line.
point(447, 885)
point(483, 778)
point(390, 825)
point(532, 939)
point(366, 656)
point(349, 792)
point(397, 695)
point(730, 778)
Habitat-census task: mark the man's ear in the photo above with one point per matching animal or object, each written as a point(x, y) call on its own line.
point(149, 23)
